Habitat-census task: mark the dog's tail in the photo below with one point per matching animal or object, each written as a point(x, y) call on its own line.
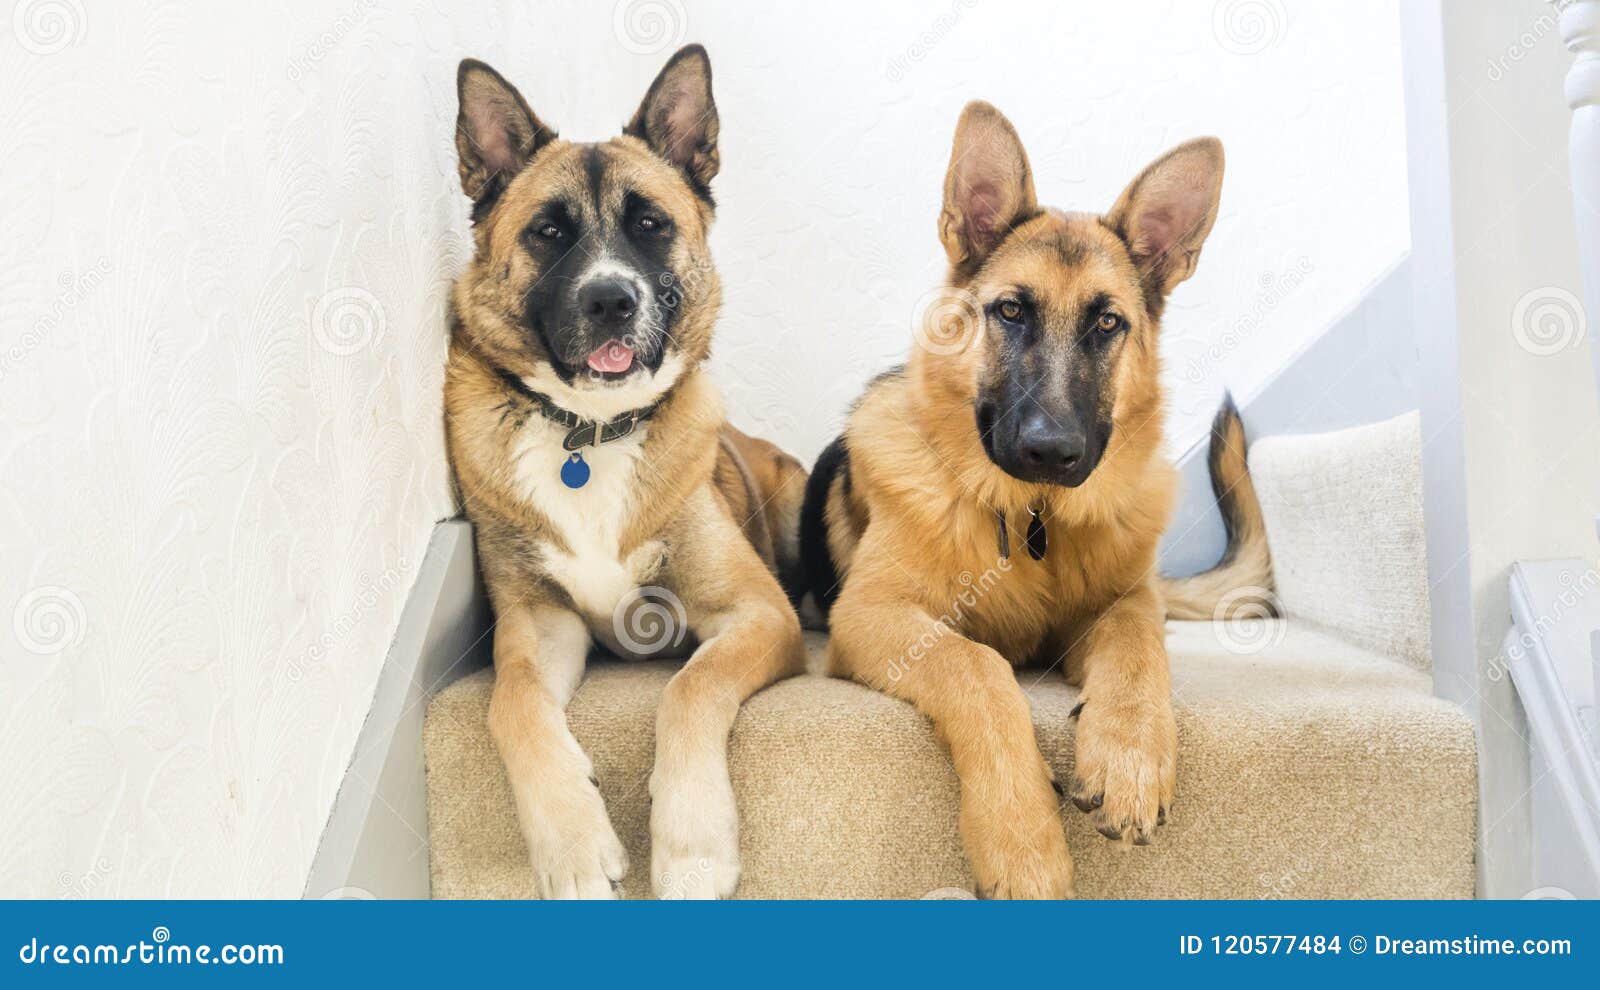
point(790, 493)
point(763, 487)
point(821, 571)
point(1242, 579)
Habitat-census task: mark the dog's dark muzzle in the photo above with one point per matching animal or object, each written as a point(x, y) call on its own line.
point(601, 312)
point(1036, 444)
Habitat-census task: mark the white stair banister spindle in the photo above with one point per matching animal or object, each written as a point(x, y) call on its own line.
point(1580, 31)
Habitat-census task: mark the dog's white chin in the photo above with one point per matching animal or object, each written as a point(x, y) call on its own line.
point(599, 399)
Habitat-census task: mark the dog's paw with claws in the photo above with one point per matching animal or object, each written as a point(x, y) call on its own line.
point(1127, 758)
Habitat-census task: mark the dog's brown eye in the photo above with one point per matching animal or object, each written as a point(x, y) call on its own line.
point(1010, 310)
point(550, 232)
point(649, 224)
point(1108, 323)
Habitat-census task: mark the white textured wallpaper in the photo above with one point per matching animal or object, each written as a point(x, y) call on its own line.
point(228, 235)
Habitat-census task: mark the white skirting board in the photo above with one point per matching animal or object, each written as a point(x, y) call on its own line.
point(1555, 606)
point(375, 844)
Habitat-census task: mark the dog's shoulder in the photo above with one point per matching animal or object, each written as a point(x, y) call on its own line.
point(882, 408)
point(891, 459)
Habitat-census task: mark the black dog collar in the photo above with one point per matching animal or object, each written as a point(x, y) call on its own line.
point(580, 432)
point(1038, 536)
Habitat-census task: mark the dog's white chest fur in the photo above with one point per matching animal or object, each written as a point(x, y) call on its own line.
point(589, 520)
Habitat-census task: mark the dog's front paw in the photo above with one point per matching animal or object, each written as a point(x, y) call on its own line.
point(694, 837)
point(1015, 842)
point(574, 850)
point(1126, 766)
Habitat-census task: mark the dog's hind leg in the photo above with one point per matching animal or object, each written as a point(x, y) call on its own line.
point(539, 656)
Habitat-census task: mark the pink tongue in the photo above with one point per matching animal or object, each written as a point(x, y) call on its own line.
point(612, 356)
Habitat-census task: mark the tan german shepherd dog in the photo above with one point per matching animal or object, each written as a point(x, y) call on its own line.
point(1022, 440)
point(605, 488)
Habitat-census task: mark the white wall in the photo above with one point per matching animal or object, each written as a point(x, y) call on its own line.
point(835, 144)
point(228, 237)
point(227, 244)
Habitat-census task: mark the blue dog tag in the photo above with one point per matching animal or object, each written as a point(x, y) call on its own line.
point(575, 473)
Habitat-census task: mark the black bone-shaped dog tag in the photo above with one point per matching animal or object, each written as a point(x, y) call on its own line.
point(1038, 538)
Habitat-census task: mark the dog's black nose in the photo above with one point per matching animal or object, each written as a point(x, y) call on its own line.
point(1046, 445)
point(608, 301)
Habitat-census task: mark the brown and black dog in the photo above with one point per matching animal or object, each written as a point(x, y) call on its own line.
point(1022, 442)
point(611, 502)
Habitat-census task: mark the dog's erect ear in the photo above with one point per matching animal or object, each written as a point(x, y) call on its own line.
point(678, 117)
point(496, 133)
point(1165, 214)
point(988, 188)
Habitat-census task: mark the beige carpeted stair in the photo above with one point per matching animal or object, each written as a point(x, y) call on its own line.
point(1310, 769)
point(1309, 766)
